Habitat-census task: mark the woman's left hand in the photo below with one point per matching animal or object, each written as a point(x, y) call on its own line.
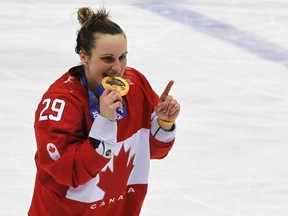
point(167, 108)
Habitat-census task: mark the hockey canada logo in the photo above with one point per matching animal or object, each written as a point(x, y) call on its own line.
point(53, 152)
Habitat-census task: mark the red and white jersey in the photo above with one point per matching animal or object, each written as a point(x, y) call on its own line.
point(72, 178)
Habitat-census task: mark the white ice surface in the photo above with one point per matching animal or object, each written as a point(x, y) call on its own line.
point(231, 153)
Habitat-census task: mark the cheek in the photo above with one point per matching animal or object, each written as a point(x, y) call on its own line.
point(98, 68)
point(123, 65)
point(94, 72)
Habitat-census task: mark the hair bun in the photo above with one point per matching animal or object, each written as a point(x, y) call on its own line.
point(86, 16)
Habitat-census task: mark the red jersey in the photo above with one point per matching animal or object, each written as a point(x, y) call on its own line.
point(72, 178)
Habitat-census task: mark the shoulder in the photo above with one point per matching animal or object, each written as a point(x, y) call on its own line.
point(132, 72)
point(135, 77)
point(66, 91)
point(68, 84)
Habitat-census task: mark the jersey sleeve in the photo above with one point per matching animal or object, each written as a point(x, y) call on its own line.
point(160, 139)
point(63, 147)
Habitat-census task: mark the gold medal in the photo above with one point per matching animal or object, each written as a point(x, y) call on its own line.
point(117, 83)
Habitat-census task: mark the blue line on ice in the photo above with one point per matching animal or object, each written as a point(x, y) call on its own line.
point(228, 33)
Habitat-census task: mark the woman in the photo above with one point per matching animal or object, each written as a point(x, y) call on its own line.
point(95, 139)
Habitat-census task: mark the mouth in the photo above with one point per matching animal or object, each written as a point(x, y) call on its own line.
point(111, 75)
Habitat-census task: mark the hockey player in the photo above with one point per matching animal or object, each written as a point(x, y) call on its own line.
point(97, 127)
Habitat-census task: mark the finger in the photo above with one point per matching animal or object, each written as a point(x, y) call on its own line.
point(115, 96)
point(159, 107)
point(116, 105)
point(113, 99)
point(165, 106)
point(167, 90)
point(174, 109)
point(109, 90)
point(171, 104)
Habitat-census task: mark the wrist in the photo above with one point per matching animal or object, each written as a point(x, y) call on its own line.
point(160, 133)
point(166, 125)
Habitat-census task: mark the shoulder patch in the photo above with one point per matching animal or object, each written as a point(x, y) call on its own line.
point(53, 151)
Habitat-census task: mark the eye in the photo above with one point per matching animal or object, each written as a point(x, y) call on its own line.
point(122, 57)
point(108, 58)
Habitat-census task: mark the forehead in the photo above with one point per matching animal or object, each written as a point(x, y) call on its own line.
point(112, 44)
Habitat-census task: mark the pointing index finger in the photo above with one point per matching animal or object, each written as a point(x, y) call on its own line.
point(167, 90)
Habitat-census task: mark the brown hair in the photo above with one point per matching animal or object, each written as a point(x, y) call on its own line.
point(91, 23)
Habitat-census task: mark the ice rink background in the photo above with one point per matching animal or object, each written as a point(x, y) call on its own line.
point(229, 60)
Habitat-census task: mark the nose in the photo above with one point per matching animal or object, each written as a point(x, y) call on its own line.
point(116, 67)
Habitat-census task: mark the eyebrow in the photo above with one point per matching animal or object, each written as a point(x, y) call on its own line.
point(108, 54)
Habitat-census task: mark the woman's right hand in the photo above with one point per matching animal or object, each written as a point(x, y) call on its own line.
point(109, 101)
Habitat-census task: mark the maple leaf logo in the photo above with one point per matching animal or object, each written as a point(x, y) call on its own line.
point(51, 149)
point(115, 182)
point(53, 152)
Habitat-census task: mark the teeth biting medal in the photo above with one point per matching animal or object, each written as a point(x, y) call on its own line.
point(117, 83)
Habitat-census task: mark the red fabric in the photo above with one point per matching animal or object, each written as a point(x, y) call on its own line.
point(66, 160)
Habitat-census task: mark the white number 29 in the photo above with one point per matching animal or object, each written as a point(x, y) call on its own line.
point(57, 107)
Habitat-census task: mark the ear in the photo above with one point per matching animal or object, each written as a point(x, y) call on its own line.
point(83, 56)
